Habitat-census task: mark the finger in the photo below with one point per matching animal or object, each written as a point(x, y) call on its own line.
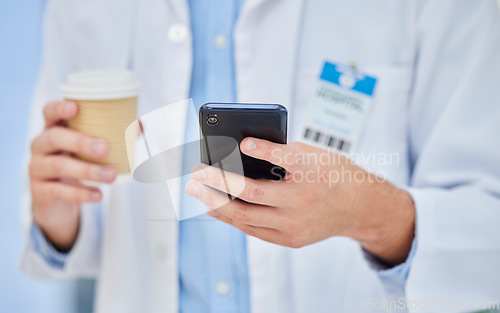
point(57, 111)
point(264, 192)
point(282, 155)
point(239, 211)
point(263, 233)
point(51, 191)
point(57, 139)
point(207, 195)
point(64, 166)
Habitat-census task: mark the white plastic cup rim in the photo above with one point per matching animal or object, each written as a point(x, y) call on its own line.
point(101, 84)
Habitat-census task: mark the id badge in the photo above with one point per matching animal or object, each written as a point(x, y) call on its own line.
point(338, 109)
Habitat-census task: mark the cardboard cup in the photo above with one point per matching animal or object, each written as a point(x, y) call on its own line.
point(107, 105)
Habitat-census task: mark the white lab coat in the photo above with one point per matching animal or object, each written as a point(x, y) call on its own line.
point(435, 106)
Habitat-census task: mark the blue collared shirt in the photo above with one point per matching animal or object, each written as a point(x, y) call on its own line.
point(213, 270)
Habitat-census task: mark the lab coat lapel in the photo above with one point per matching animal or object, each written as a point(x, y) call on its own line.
point(266, 38)
point(163, 232)
point(180, 9)
point(155, 200)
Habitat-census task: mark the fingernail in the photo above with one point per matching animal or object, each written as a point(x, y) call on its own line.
point(94, 195)
point(194, 190)
point(213, 213)
point(107, 174)
point(199, 174)
point(98, 148)
point(250, 145)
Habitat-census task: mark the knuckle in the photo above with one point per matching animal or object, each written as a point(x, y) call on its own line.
point(81, 143)
point(298, 146)
point(47, 110)
point(232, 222)
point(295, 242)
point(254, 192)
point(307, 199)
point(241, 214)
point(249, 230)
point(296, 226)
point(51, 137)
point(54, 191)
point(34, 144)
point(267, 152)
point(293, 164)
point(56, 166)
point(208, 199)
point(88, 171)
point(218, 181)
point(81, 195)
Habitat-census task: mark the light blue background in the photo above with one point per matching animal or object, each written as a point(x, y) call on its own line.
point(20, 29)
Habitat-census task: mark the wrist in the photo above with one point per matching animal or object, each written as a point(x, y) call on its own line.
point(386, 226)
point(61, 230)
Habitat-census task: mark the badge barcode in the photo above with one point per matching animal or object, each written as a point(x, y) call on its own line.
point(327, 140)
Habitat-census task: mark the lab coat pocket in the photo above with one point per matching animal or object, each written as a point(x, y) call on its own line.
point(385, 136)
point(385, 131)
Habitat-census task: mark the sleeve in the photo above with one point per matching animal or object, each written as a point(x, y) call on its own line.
point(43, 248)
point(40, 259)
point(455, 152)
point(388, 272)
point(454, 129)
point(56, 63)
point(393, 278)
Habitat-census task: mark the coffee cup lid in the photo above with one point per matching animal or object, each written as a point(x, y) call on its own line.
point(101, 84)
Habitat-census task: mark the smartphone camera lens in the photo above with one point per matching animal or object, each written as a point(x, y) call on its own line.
point(212, 120)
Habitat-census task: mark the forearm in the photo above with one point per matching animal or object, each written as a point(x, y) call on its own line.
point(386, 224)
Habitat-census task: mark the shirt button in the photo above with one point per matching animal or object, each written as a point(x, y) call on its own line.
point(220, 41)
point(177, 33)
point(222, 288)
point(161, 251)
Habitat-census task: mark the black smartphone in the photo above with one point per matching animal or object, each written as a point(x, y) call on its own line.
point(237, 121)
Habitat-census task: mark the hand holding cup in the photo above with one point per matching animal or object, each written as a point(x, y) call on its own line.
point(55, 174)
point(82, 145)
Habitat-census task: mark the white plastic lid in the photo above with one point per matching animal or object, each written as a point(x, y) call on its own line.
point(101, 84)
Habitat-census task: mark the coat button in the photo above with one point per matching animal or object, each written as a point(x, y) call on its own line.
point(177, 33)
point(222, 288)
point(161, 251)
point(220, 41)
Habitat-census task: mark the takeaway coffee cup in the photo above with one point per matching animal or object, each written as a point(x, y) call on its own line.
point(107, 105)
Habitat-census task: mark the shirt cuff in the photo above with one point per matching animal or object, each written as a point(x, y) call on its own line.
point(46, 250)
point(399, 271)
